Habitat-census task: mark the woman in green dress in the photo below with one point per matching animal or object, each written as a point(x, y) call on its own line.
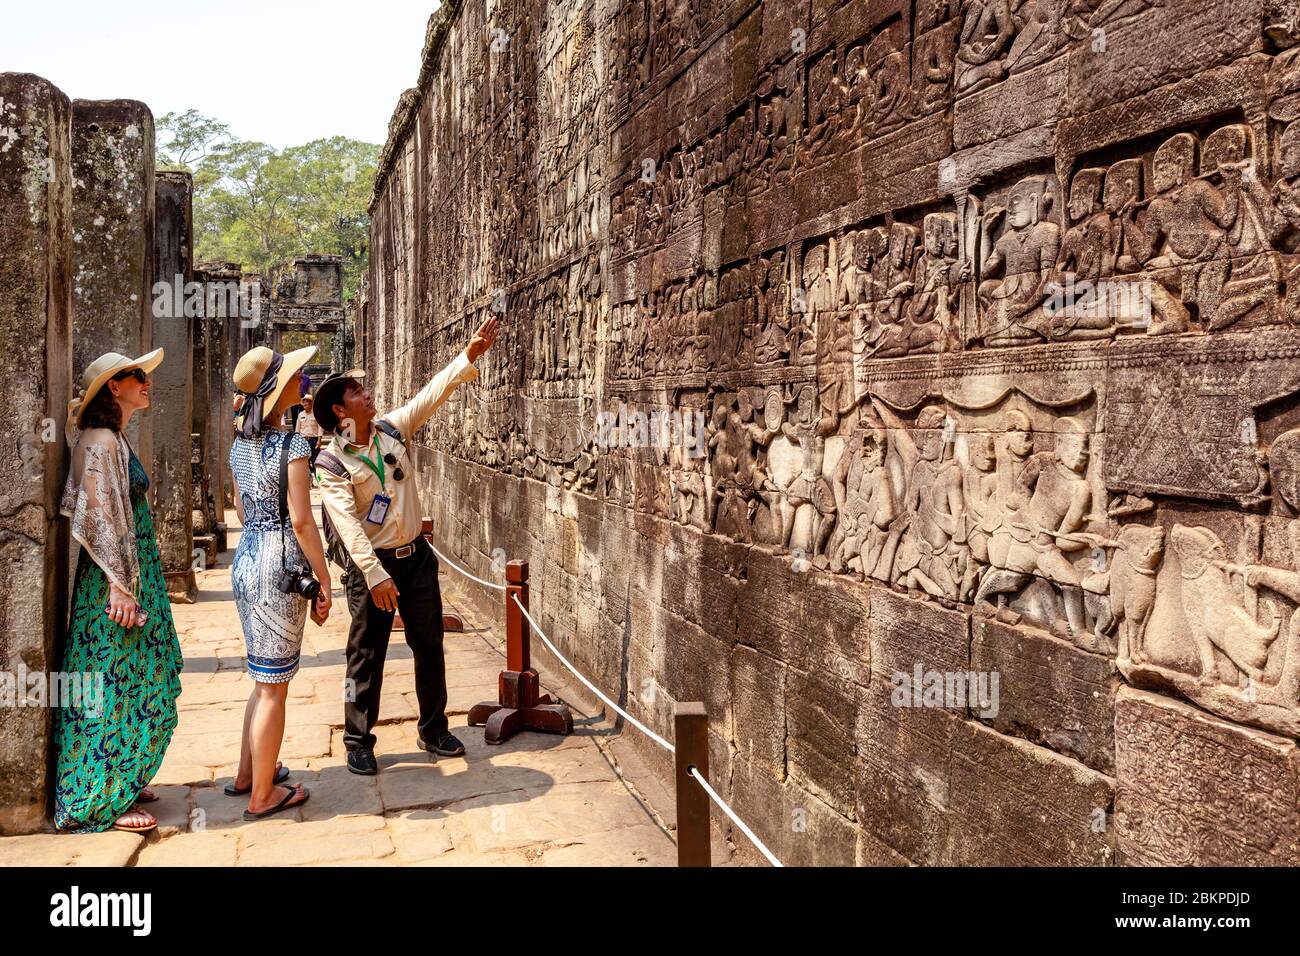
point(111, 743)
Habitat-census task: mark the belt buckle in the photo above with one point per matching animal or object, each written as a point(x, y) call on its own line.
point(405, 551)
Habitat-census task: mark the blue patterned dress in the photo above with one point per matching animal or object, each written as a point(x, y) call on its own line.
point(273, 621)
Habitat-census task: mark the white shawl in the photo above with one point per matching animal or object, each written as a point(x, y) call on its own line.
point(97, 498)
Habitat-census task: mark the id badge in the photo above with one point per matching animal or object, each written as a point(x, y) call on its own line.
point(379, 509)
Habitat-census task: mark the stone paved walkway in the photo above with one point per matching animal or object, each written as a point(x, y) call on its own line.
point(536, 800)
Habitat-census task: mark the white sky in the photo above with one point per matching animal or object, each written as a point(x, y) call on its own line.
point(284, 72)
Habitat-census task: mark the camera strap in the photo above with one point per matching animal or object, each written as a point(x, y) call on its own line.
point(284, 495)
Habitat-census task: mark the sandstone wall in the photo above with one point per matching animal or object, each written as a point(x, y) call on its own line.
point(35, 332)
point(989, 311)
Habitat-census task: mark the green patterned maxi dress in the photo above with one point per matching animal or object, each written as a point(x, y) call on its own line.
point(105, 759)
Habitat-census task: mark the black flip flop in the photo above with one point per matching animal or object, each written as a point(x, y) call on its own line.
point(281, 776)
point(284, 804)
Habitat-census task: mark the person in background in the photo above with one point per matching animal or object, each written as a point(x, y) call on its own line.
point(304, 389)
point(120, 626)
point(310, 429)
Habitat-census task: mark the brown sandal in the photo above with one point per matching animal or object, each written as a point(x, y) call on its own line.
point(147, 796)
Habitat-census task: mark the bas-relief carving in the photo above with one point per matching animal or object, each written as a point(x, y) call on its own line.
point(904, 397)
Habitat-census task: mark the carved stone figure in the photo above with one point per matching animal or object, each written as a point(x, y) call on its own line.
point(931, 551)
point(1017, 266)
point(988, 27)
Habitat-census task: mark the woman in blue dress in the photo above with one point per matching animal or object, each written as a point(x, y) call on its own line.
point(272, 547)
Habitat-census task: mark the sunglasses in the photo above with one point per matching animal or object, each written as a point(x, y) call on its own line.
point(391, 459)
point(135, 373)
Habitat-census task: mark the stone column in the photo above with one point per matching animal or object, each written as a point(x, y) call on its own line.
point(35, 377)
point(224, 284)
point(112, 233)
point(203, 515)
point(173, 386)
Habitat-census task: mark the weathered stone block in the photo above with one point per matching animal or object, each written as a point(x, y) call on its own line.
point(758, 695)
point(1049, 691)
point(906, 632)
point(1017, 804)
point(1166, 43)
point(821, 722)
point(1195, 790)
point(902, 775)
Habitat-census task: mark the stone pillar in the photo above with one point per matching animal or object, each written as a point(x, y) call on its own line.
point(173, 386)
point(223, 314)
point(112, 233)
point(203, 515)
point(35, 378)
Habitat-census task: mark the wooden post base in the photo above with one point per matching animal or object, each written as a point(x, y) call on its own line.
point(519, 707)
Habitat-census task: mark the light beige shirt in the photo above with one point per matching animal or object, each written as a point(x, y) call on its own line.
point(307, 425)
point(347, 500)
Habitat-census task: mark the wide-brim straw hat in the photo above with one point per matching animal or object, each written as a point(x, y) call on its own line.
point(253, 366)
point(98, 373)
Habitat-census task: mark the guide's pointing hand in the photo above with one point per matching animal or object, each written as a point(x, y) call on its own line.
point(483, 339)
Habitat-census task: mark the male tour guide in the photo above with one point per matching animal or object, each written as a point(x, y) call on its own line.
point(374, 522)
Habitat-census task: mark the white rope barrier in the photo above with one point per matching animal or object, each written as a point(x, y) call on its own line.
point(592, 687)
point(731, 814)
point(693, 771)
point(450, 563)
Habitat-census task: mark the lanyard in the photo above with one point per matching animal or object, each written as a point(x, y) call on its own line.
point(377, 466)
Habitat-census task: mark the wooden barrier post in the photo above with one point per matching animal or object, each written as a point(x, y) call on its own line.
point(520, 705)
point(691, 743)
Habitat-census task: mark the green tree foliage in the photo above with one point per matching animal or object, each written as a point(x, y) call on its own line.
point(263, 207)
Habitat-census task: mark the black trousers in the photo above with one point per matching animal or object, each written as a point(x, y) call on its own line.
point(420, 602)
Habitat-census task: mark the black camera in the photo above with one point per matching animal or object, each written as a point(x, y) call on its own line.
point(292, 581)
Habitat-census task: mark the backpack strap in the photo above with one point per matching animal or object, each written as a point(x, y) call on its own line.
point(329, 461)
point(389, 430)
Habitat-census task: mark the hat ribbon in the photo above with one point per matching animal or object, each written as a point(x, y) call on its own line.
point(253, 400)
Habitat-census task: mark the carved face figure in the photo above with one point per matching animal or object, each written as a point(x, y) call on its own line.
point(1085, 193)
point(1072, 447)
point(1026, 203)
point(940, 234)
point(1123, 183)
point(1020, 438)
point(933, 436)
point(869, 247)
point(814, 265)
point(1226, 146)
point(902, 239)
point(1174, 162)
point(980, 445)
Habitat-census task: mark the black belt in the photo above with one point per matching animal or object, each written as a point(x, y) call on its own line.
point(405, 551)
